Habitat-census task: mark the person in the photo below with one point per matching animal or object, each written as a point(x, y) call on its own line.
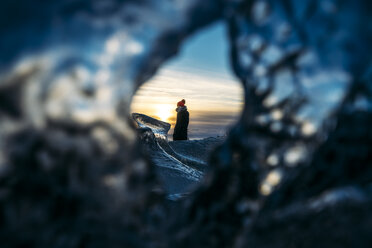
point(180, 130)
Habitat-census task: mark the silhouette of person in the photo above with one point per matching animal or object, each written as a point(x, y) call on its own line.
point(180, 130)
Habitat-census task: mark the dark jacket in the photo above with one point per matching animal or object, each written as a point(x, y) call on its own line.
point(180, 130)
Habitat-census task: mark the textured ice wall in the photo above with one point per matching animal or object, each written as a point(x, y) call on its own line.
point(297, 163)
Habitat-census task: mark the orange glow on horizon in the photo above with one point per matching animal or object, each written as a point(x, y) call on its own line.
point(164, 111)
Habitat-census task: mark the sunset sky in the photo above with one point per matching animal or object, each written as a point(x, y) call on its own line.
point(200, 75)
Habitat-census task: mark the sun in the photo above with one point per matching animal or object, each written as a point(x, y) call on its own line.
point(163, 111)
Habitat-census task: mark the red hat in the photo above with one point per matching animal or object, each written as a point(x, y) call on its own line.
point(180, 104)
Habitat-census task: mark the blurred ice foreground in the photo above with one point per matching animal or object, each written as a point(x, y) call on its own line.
point(298, 163)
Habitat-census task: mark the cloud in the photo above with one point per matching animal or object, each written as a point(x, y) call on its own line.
point(201, 91)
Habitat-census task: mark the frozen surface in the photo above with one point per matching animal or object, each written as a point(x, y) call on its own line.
point(295, 171)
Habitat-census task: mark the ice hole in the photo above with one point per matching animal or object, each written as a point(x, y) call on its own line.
point(214, 99)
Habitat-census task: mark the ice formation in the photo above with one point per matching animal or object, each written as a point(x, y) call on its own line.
point(295, 171)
